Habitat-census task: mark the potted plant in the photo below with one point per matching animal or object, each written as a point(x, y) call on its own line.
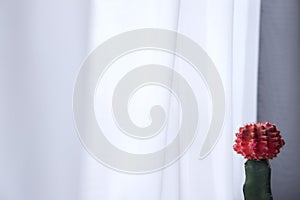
point(258, 143)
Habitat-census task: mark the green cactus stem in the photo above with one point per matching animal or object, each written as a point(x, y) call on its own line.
point(258, 180)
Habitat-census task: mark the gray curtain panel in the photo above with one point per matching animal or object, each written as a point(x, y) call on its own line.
point(279, 89)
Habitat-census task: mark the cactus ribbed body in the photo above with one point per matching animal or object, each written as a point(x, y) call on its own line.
point(258, 180)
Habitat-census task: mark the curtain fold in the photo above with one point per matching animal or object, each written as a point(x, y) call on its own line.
point(43, 47)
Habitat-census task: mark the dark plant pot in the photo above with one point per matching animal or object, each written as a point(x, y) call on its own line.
point(258, 180)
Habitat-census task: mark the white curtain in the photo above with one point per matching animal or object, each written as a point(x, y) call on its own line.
point(44, 43)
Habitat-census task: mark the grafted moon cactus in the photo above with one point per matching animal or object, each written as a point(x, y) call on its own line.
point(258, 143)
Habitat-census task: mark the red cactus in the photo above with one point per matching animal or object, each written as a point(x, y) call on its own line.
point(258, 141)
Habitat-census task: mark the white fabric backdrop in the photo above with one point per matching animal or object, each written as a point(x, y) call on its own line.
point(42, 47)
